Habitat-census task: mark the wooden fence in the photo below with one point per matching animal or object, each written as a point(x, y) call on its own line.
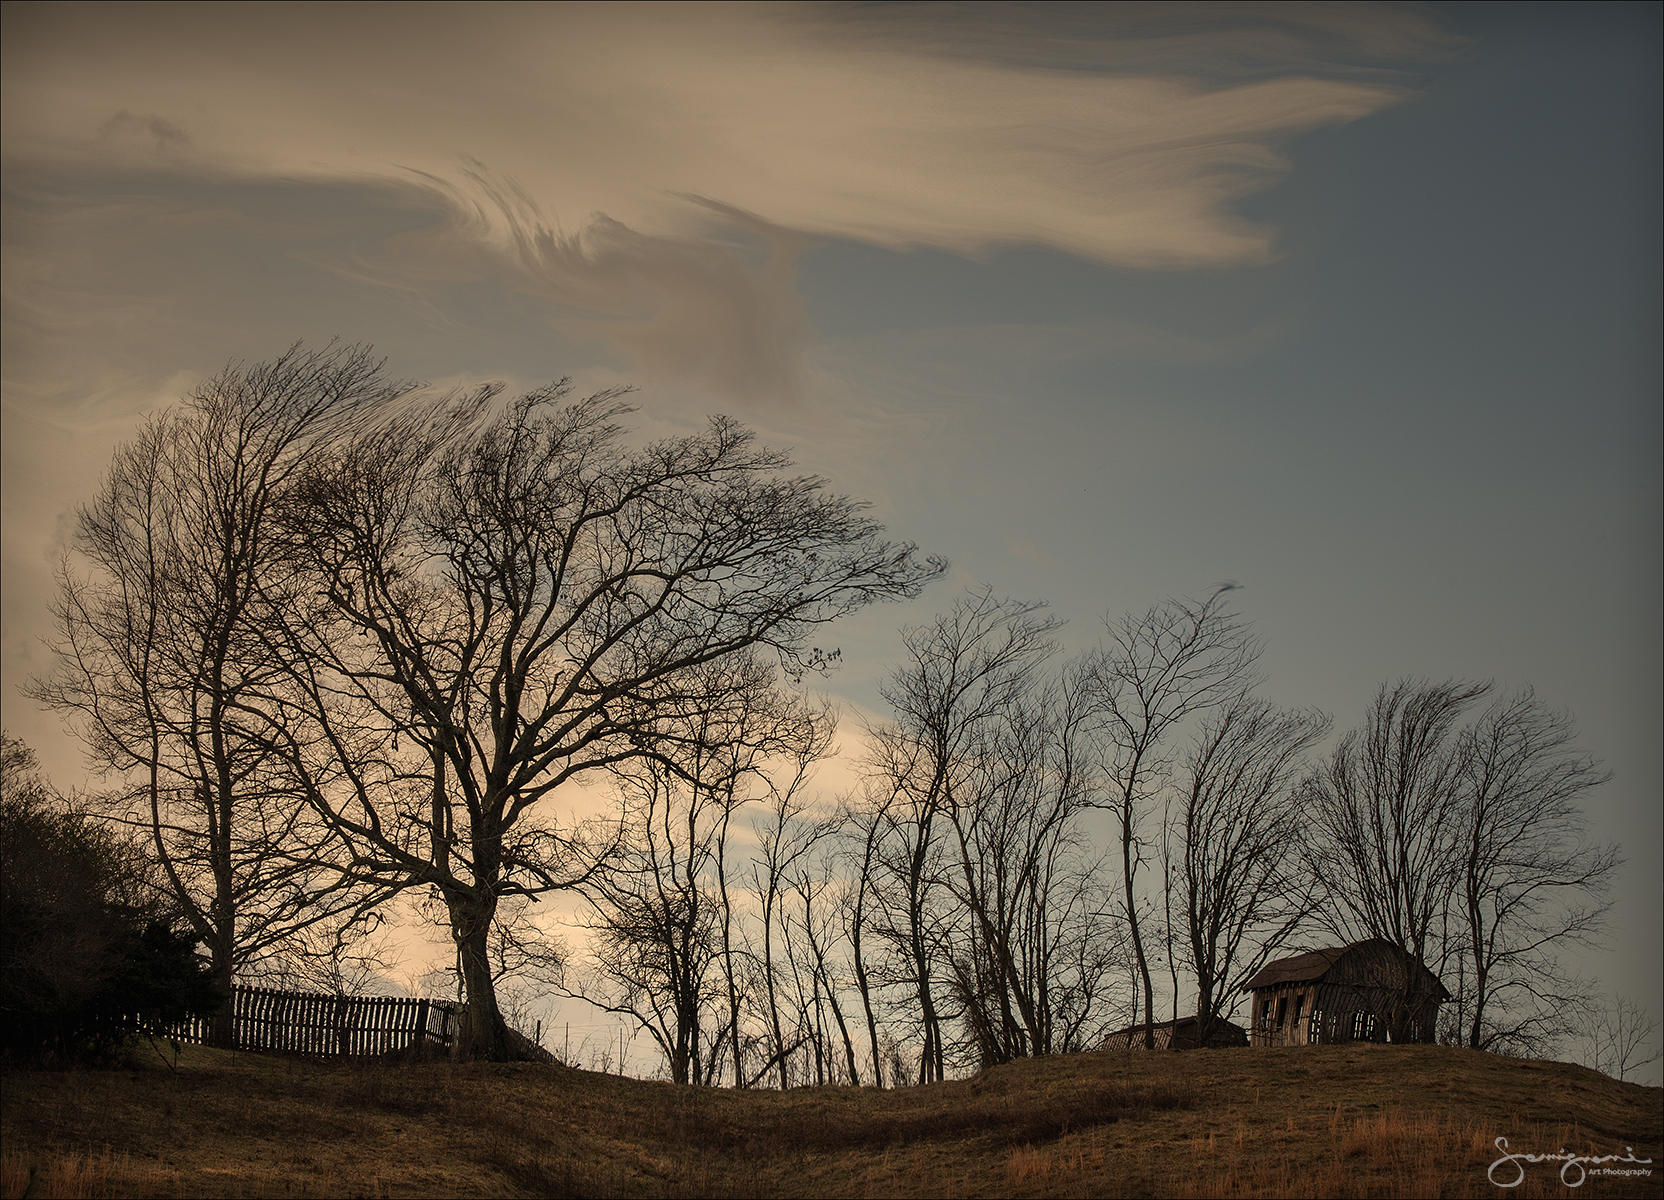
point(257, 1018)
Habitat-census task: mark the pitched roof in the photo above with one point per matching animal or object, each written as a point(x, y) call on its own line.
point(1315, 964)
point(1297, 968)
point(1221, 1028)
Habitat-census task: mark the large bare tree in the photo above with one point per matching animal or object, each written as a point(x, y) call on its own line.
point(1154, 671)
point(1466, 846)
point(967, 849)
point(961, 673)
point(165, 660)
point(1385, 814)
point(661, 911)
point(1242, 885)
point(524, 597)
point(1032, 972)
point(1530, 881)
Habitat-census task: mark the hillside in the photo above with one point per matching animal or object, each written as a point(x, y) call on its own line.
point(1340, 1120)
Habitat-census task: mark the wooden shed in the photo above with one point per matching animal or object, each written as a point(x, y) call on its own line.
point(1177, 1035)
point(1370, 991)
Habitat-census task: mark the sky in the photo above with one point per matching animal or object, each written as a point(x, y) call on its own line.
point(1356, 306)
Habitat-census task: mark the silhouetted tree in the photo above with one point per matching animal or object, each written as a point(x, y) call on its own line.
point(1385, 814)
point(1529, 880)
point(1156, 670)
point(520, 598)
point(786, 835)
point(89, 954)
point(660, 910)
point(1242, 885)
point(959, 674)
point(971, 860)
point(1619, 1037)
point(166, 661)
point(862, 826)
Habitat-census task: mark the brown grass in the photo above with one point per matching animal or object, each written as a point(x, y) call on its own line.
point(1323, 1121)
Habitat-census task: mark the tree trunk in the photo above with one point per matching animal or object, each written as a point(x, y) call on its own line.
point(768, 984)
point(1204, 1008)
point(864, 986)
point(222, 940)
point(224, 1030)
point(483, 1033)
point(1137, 937)
point(931, 1063)
point(728, 947)
point(843, 1031)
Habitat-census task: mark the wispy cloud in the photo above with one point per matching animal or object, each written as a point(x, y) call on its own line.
point(620, 142)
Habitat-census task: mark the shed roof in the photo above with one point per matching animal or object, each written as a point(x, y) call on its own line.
point(1315, 964)
point(1296, 968)
point(1221, 1027)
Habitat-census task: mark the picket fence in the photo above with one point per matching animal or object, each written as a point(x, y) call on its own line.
point(257, 1018)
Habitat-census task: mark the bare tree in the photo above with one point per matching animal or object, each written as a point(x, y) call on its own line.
point(164, 651)
point(961, 673)
point(1039, 952)
point(1385, 813)
point(970, 863)
point(661, 908)
point(786, 836)
point(902, 901)
point(819, 934)
point(1529, 880)
point(1156, 670)
point(862, 826)
point(653, 929)
point(1242, 885)
point(765, 751)
point(524, 597)
point(1620, 1037)
point(1467, 848)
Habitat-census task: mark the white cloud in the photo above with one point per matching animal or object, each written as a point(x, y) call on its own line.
point(778, 112)
point(624, 148)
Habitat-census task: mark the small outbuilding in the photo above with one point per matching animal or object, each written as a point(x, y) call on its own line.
point(1370, 991)
point(1178, 1035)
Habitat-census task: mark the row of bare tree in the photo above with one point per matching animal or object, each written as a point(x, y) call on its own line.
point(339, 639)
point(1031, 842)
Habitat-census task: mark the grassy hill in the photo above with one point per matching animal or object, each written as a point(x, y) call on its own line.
point(1324, 1121)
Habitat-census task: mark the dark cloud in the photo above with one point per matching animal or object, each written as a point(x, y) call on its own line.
point(718, 311)
point(163, 134)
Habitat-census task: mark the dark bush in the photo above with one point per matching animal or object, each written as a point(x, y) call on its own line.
point(88, 956)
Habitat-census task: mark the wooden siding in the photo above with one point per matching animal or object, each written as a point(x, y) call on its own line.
point(1373, 992)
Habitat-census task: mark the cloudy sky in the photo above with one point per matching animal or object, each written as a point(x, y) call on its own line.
point(1356, 306)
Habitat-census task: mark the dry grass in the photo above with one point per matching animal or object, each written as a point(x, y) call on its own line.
point(1325, 1121)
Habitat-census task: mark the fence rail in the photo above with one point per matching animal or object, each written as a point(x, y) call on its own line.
point(256, 1018)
